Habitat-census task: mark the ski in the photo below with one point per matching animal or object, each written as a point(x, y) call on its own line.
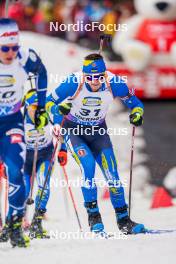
point(155, 232)
point(160, 231)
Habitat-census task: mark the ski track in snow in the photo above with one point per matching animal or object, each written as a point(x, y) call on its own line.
point(133, 249)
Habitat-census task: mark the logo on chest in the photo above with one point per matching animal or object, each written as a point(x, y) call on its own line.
point(92, 101)
point(6, 81)
point(34, 133)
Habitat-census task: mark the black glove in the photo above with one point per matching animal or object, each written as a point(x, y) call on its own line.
point(64, 108)
point(41, 118)
point(136, 119)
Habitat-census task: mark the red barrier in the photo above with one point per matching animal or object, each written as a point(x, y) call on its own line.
point(161, 198)
point(155, 82)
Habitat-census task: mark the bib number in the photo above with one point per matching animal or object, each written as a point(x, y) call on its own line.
point(87, 112)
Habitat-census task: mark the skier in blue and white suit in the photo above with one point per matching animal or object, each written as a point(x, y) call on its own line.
point(39, 141)
point(15, 66)
point(91, 92)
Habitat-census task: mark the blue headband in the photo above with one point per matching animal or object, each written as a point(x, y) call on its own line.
point(94, 66)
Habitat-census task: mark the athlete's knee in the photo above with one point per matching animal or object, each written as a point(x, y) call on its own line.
point(107, 160)
point(85, 157)
point(17, 192)
point(15, 175)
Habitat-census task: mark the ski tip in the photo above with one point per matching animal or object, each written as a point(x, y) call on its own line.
point(160, 231)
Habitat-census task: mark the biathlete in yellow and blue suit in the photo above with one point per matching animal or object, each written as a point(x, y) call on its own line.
point(91, 92)
point(42, 139)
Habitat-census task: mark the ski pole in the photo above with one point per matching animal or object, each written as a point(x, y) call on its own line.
point(72, 198)
point(1, 224)
point(66, 201)
point(34, 168)
point(104, 37)
point(49, 169)
point(1, 195)
point(6, 8)
point(131, 169)
point(47, 176)
point(6, 196)
point(4, 175)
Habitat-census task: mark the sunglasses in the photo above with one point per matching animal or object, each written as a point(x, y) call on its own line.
point(95, 77)
point(7, 48)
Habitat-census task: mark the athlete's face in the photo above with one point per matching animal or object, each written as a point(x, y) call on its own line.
point(8, 53)
point(95, 82)
point(95, 85)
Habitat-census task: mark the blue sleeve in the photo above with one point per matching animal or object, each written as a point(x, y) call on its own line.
point(35, 65)
point(120, 89)
point(57, 117)
point(66, 89)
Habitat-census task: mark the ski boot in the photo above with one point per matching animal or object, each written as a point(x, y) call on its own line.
point(125, 224)
point(4, 234)
point(36, 229)
point(17, 238)
point(94, 217)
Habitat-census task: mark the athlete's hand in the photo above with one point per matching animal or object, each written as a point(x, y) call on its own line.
point(65, 108)
point(62, 157)
point(136, 116)
point(41, 118)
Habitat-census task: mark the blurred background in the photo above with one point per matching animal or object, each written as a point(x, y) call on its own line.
point(36, 14)
point(159, 98)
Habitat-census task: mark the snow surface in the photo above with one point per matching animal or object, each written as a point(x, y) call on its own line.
point(62, 58)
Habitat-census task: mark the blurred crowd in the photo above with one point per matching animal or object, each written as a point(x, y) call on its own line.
point(35, 15)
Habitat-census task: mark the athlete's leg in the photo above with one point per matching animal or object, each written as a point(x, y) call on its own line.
point(103, 151)
point(42, 171)
point(83, 156)
point(13, 156)
point(107, 162)
point(86, 161)
point(43, 162)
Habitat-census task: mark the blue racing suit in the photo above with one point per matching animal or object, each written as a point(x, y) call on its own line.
point(12, 145)
point(43, 139)
point(89, 111)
